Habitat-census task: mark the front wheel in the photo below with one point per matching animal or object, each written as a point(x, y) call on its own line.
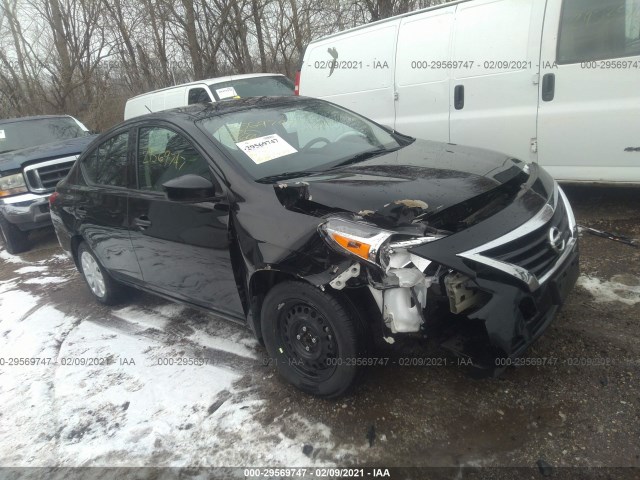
point(101, 285)
point(15, 240)
point(313, 338)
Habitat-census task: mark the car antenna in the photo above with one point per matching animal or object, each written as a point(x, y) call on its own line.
point(148, 109)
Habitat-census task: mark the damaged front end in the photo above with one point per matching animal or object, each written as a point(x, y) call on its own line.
point(399, 281)
point(482, 296)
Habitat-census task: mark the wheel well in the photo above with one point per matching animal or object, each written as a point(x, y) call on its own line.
point(76, 240)
point(359, 300)
point(261, 282)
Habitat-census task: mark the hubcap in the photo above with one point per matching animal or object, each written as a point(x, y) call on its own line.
point(308, 340)
point(92, 274)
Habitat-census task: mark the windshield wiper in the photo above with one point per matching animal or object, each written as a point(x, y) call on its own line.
point(286, 176)
point(363, 156)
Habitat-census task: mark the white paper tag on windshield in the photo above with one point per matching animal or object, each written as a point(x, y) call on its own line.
point(267, 148)
point(226, 92)
point(2, 135)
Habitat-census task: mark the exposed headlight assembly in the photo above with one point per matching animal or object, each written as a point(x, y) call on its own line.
point(370, 243)
point(12, 185)
point(359, 239)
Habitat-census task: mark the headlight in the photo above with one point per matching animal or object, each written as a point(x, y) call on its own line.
point(12, 185)
point(359, 239)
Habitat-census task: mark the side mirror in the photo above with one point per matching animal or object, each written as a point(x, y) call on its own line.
point(189, 188)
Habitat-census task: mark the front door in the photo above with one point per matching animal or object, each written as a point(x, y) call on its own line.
point(182, 248)
point(589, 120)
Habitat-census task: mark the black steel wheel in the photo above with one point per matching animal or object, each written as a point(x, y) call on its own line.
point(312, 337)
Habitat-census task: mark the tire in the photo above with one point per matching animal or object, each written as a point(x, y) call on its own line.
point(313, 338)
point(14, 239)
point(105, 289)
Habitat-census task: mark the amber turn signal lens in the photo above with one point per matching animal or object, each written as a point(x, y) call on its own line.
point(358, 248)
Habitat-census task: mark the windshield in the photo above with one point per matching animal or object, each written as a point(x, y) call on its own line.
point(252, 87)
point(31, 133)
point(296, 137)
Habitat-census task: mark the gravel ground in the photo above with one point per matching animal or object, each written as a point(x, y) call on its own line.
point(580, 411)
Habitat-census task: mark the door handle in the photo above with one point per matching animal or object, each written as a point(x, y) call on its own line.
point(142, 222)
point(548, 87)
point(458, 97)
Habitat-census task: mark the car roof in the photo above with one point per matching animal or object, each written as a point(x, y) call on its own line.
point(212, 81)
point(34, 117)
point(199, 111)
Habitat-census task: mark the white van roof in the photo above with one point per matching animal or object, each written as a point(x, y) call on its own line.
point(385, 20)
point(211, 81)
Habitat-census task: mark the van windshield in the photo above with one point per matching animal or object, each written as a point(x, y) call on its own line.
point(253, 87)
point(31, 133)
point(292, 137)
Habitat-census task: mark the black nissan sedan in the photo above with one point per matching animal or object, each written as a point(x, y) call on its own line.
point(321, 230)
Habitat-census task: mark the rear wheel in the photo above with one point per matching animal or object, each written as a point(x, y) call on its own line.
point(314, 339)
point(102, 286)
point(14, 239)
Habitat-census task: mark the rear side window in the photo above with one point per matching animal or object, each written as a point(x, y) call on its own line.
point(598, 29)
point(164, 155)
point(107, 164)
point(198, 95)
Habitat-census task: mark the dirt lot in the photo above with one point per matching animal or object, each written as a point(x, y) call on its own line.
point(582, 410)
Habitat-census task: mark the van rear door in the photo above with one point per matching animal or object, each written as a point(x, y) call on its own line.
point(589, 115)
point(494, 102)
point(422, 74)
point(355, 70)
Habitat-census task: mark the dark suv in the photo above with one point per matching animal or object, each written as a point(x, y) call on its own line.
point(35, 154)
point(321, 229)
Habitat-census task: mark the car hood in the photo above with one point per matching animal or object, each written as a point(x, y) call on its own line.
point(17, 159)
point(421, 179)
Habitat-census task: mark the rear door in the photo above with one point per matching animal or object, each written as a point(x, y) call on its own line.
point(494, 103)
point(182, 248)
point(589, 120)
point(422, 74)
point(101, 205)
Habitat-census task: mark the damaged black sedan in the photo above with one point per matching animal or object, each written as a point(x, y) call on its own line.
point(320, 229)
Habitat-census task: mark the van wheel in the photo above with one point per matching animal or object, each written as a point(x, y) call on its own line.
point(312, 337)
point(102, 286)
point(14, 239)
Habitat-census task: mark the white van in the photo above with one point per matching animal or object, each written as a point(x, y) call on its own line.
point(211, 90)
point(550, 81)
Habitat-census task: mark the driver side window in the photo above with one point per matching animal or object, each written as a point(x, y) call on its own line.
point(164, 155)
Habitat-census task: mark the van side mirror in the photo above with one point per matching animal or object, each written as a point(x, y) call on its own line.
point(189, 188)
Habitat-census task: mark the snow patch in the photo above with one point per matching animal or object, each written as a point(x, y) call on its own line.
point(31, 269)
point(144, 318)
point(7, 257)
point(621, 288)
point(14, 305)
point(44, 280)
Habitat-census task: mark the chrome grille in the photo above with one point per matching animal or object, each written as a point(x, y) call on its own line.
point(529, 253)
point(43, 177)
point(533, 251)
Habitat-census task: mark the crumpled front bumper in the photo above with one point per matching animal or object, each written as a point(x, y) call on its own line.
point(27, 211)
point(514, 317)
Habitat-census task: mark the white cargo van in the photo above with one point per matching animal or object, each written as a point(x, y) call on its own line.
point(211, 90)
point(550, 81)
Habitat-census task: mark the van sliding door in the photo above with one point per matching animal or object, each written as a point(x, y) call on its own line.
point(422, 74)
point(494, 82)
